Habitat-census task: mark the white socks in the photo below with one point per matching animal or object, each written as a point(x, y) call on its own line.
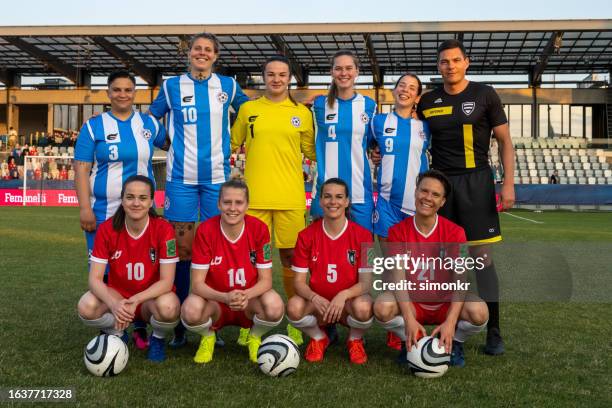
point(309, 325)
point(202, 329)
point(357, 327)
point(261, 327)
point(106, 323)
point(466, 329)
point(396, 326)
point(162, 329)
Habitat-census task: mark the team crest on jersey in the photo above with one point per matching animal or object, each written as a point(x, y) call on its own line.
point(116, 255)
point(152, 255)
point(364, 117)
point(350, 255)
point(167, 203)
point(375, 217)
point(253, 256)
point(222, 97)
point(146, 133)
point(296, 122)
point(468, 107)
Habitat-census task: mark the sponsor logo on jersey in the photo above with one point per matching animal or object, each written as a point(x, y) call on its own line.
point(252, 118)
point(296, 122)
point(217, 260)
point(171, 247)
point(253, 256)
point(112, 137)
point(267, 252)
point(330, 116)
point(468, 107)
point(439, 100)
point(152, 255)
point(364, 117)
point(146, 133)
point(187, 99)
point(222, 97)
point(389, 130)
point(350, 255)
point(116, 255)
point(441, 111)
point(315, 257)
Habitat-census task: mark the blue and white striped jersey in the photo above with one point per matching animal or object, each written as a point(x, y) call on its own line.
point(403, 145)
point(198, 126)
point(118, 149)
point(343, 135)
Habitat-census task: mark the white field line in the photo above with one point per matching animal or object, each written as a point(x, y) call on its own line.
point(523, 218)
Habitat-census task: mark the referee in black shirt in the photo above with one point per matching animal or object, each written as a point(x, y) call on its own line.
point(462, 115)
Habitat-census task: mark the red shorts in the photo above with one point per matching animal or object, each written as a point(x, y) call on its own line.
point(228, 317)
point(426, 313)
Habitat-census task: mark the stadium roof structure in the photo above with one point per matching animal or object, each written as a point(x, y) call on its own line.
point(495, 48)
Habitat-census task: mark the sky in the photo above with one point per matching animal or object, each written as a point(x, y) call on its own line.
point(120, 12)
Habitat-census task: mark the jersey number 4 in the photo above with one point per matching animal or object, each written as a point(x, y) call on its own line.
point(236, 277)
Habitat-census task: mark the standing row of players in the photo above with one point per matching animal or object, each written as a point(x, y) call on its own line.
point(277, 130)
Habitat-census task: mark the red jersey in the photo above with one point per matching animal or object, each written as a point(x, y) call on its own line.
point(442, 244)
point(333, 263)
point(231, 264)
point(134, 261)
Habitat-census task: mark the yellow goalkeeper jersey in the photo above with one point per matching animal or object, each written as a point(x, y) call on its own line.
point(276, 135)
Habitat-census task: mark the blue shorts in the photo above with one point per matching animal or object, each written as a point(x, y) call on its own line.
point(183, 201)
point(386, 216)
point(359, 213)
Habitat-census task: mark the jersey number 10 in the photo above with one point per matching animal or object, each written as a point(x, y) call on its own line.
point(135, 271)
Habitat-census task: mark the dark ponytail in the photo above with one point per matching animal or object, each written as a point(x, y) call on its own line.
point(119, 216)
point(284, 60)
point(332, 94)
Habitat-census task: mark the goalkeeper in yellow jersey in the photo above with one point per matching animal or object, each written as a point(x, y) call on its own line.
point(276, 131)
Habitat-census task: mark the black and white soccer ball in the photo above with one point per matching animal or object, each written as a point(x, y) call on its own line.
point(428, 359)
point(106, 355)
point(278, 356)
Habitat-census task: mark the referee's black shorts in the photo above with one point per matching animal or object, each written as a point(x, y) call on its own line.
point(472, 205)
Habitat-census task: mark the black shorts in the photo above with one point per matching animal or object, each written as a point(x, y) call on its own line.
point(471, 204)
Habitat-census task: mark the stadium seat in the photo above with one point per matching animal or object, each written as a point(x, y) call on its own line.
point(584, 159)
point(586, 166)
point(580, 173)
point(570, 173)
point(517, 180)
point(542, 173)
point(543, 180)
point(574, 166)
point(534, 180)
point(582, 152)
point(550, 166)
point(594, 159)
point(564, 152)
point(602, 159)
point(71, 150)
point(572, 180)
point(541, 166)
point(592, 180)
point(548, 159)
point(533, 173)
point(601, 180)
point(539, 159)
point(582, 180)
point(566, 159)
point(554, 152)
point(607, 173)
point(531, 166)
point(608, 180)
point(596, 166)
point(558, 165)
point(563, 180)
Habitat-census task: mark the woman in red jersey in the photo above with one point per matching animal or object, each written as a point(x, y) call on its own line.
point(333, 251)
point(140, 249)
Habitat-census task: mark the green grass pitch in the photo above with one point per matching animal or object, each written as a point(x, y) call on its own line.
point(558, 352)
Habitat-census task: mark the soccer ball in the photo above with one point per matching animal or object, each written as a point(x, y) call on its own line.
point(106, 355)
point(428, 358)
point(278, 356)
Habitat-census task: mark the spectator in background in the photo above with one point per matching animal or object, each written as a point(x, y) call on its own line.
point(13, 139)
point(554, 178)
point(63, 174)
point(4, 169)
